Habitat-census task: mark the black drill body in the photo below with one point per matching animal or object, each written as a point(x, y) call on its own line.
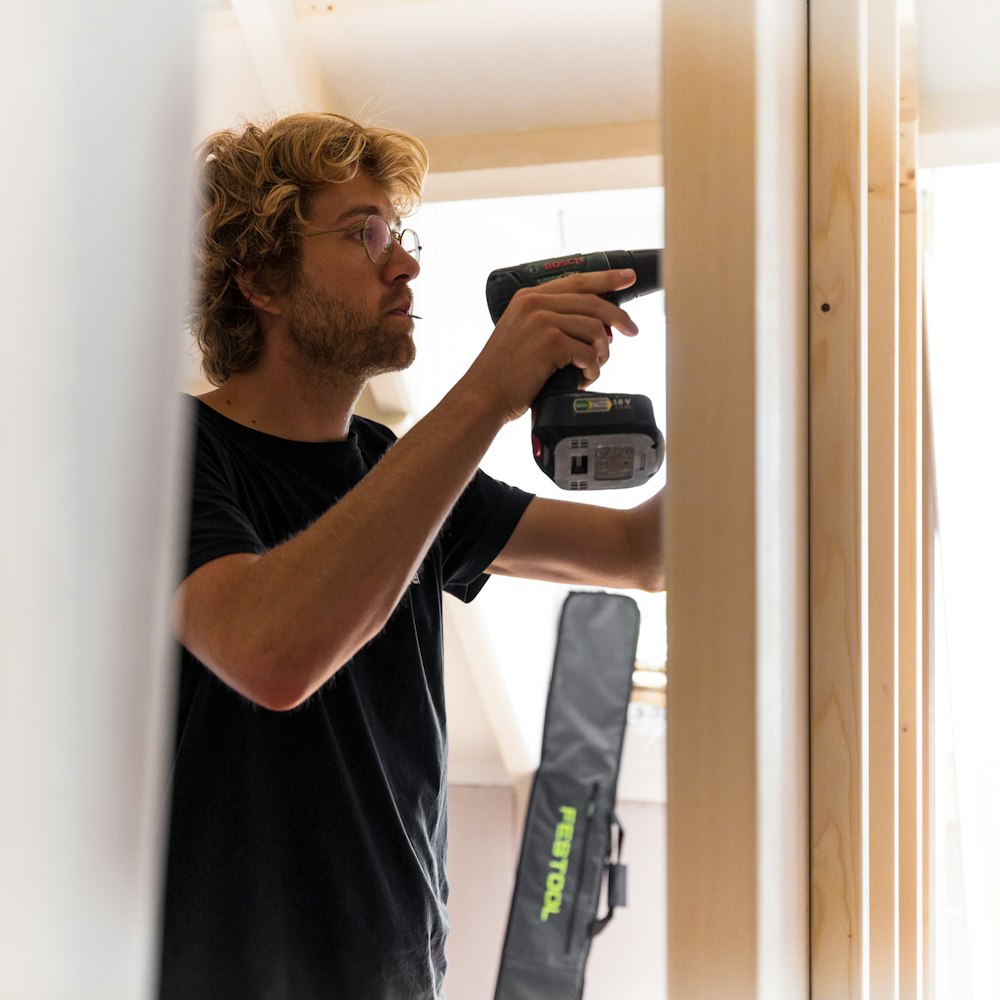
point(588, 440)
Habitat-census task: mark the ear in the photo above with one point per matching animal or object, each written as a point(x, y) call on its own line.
point(249, 283)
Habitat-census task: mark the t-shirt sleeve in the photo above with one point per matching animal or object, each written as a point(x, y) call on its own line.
point(478, 528)
point(218, 525)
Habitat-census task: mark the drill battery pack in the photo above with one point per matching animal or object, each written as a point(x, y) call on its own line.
point(571, 847)
point(593, 440)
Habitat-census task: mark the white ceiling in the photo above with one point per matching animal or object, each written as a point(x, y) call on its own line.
point(452, 68)
point(490, 84)
point(957, 46)
point(959, 72)
point(443, 67)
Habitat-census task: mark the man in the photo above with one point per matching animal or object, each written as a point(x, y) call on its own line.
point(308, 827)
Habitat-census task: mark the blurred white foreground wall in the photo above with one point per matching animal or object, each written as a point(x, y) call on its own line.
point(94, 176)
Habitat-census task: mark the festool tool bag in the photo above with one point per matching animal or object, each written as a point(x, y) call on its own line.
point(568, 850)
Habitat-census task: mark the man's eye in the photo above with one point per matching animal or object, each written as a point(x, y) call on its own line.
point(358, 234)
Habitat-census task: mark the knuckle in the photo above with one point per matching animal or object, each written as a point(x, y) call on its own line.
point(552, 336)
point(528, 298)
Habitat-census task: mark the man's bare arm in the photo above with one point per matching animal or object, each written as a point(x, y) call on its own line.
point(578, 543)
point(276, 627)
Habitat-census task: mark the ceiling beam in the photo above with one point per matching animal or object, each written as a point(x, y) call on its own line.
point(325, 8)
point(549, 160)
point(533, 147)
point(545, 178)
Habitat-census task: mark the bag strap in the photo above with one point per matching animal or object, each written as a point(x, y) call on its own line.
point(617, 877)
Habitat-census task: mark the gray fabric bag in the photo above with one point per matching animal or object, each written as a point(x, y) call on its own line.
point(569, 850)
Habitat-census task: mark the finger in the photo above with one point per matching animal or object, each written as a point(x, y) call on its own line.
point(583, 329)
point(589, 356)
point(597, 282)
point(578, 303)
point(587, 359)
point(589, 282)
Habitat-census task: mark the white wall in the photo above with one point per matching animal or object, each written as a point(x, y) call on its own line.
point(92, 265)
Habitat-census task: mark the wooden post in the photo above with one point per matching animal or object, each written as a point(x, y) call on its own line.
point(735, 175)
point(883, 66)
point(838, 499)
point(911, 681)
point(928, 543)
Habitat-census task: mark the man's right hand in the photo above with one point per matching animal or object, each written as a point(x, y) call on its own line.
point(562, 322)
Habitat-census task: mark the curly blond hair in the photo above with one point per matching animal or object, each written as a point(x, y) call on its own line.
point(256, 189)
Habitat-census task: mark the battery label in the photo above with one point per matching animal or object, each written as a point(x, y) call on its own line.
point(592, 404)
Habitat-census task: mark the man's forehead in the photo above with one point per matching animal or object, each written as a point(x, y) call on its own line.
point(339, 203)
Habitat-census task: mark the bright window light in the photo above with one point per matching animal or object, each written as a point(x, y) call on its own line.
point(962, 270)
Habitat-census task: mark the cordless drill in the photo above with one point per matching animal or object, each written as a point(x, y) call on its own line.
point(588, 440)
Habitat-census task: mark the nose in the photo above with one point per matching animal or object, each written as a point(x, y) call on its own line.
point(400, 266)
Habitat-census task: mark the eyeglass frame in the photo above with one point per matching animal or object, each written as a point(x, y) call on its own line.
point(387, 253)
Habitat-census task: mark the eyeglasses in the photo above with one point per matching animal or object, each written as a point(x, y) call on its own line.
point(377, 238)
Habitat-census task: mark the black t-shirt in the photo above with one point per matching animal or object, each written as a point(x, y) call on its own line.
point(307, 848)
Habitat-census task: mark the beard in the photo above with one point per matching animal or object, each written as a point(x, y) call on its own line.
point(336, 337)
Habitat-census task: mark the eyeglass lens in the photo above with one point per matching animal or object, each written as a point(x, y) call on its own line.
point(410, 242)
point(379, 237)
